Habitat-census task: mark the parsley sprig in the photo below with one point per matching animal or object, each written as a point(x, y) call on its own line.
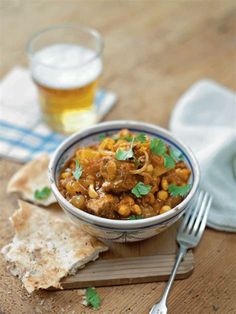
point(176, 190)
point(158, 147)
point(78, 171)
point(92, 298)
point(141, 189)
point(42, 194)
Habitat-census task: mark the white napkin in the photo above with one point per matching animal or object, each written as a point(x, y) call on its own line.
point(205, 119)
point(23, 134)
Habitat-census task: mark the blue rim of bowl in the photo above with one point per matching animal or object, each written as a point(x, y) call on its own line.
point(112, 126)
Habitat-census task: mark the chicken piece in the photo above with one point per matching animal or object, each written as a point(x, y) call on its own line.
point(119, 186)
point(104, 206)
point(108, 168)
point(124, 180)
point(158, 164)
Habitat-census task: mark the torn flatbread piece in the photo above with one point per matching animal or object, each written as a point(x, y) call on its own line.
point(33, 177)
point(46, 248)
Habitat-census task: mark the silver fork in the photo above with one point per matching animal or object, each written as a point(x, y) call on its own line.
point(189, 235)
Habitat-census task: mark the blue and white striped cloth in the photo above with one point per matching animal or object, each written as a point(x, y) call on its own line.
point(23, 134)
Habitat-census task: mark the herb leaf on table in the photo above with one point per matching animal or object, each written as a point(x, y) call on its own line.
point(92, 298)
point(43, 193)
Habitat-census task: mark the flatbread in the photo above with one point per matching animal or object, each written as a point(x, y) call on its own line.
point(31, 177)
point(46, 248)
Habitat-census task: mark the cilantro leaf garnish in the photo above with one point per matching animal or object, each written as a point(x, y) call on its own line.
point(128, 138)
point(101, 136)
point(141, 137)
point(42, 194)
point(135, 217)
point(141, 189)
point(78, 171)
point(92, 298)
point(176, 154)
point(125, 154)
point(176, 190)
point(168, 161)
point(157, 146)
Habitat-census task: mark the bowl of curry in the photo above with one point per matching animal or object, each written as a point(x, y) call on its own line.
point(124, 180)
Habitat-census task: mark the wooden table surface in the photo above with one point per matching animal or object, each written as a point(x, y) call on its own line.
point(154, 50)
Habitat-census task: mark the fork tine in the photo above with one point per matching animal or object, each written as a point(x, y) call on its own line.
point(186, 218)
point(200, 213)
point(204, 218)
point(195, 212)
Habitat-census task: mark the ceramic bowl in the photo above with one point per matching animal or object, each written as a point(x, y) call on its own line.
point(120, 230)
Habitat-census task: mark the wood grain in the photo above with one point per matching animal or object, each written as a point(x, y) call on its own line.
point(154, 51)
point(137, 262)
point(123, 271)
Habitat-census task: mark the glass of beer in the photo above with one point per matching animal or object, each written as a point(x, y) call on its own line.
point(66, 64)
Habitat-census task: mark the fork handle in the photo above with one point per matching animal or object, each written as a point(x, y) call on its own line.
point(180, 256)
point(156, 308)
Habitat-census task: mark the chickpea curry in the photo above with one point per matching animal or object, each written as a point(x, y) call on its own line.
point(125, 176)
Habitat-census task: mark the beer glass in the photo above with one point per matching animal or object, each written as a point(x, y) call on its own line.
point(66, 64)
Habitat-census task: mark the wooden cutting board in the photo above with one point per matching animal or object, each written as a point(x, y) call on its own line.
point(146, 261)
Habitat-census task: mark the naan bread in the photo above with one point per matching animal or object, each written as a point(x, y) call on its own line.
point(46, 248)
point(31, 177)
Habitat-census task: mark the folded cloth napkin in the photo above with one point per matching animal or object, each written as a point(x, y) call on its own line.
point(23, 134)
point(205, 119)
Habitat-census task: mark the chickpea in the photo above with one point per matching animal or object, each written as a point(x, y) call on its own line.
point(65, 175)
point(151, 198)
point(157, 207)
point(136, 209)
point(107, 143)
point(148, 199)
point(124, 210)
point(183, 174)
point(162, 195)
point(90, 178)
point(128, 200)
point(124, 133)
point(76, 186)
point(69, 187)
point(78, 201)
point(164, 184)
point(150, 168)
point(165, 209)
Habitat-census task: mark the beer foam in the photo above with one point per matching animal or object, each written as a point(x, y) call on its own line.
point(65, 66)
